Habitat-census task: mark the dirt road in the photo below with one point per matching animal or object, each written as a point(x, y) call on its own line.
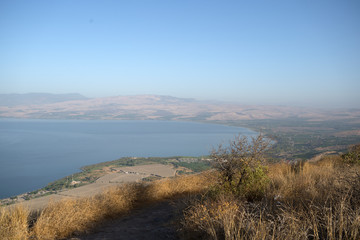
point(154, 222)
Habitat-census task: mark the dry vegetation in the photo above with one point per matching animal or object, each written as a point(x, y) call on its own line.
point(65, 218)
point(14, 223)
point(304, 201)
point(318, 200)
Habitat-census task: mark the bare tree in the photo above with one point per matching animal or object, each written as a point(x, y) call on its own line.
point(240, 158)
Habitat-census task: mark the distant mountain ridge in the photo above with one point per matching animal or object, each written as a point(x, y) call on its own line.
point(37, 98)
point(151, 107)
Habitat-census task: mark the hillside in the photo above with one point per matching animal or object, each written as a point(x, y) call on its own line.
point(10, 100)
point(299, 133)
point(294, 201)
point(152, 107)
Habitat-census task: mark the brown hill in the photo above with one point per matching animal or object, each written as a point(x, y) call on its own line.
point(154, 107)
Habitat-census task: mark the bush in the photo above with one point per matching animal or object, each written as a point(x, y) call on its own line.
point(241, 167)
point(318, 202)
point(353, 155)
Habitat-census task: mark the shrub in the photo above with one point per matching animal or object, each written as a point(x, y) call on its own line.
point(353, 155)
point(241, 166)
point(318, 202)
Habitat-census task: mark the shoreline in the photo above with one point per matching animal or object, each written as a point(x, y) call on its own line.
point(110, 173)
point(117, 177)
point(113, 146)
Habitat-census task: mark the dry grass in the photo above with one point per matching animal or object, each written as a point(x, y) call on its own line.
point(65, 218)
point(14, 223)
point(310, 182)
point(61, 219)
point(183, 185)
point(310, 201)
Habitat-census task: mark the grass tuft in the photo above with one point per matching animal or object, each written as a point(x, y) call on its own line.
point(14, 223)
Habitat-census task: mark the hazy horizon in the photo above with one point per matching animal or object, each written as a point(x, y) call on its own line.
point(304, 53)
point(191, 98)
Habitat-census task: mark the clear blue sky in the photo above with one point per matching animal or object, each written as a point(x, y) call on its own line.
point(300, 52)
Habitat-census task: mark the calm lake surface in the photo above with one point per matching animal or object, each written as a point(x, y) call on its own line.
point(36, 152)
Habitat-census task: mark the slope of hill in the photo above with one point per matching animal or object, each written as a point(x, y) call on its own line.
point(154, 107)
point(10, 100)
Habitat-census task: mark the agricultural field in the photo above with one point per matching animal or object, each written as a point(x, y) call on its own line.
point(114, 178)
point(303, 138)
point(94, 179)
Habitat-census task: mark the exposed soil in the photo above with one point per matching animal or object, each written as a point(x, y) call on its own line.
point(154, 222)
point(123, 175)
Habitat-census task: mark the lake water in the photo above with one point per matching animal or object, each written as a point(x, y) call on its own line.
point(36, 152)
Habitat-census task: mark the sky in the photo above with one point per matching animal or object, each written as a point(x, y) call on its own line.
point(298, 52)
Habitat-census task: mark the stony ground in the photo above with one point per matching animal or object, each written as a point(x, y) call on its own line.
point(154, 222)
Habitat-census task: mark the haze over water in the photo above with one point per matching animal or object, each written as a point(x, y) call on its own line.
point(36, 152)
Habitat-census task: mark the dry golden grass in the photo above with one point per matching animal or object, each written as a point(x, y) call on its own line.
point(64, 218)
point(310, 201)
point(182, 185)
point(14, 223)
point(311, 182)
point(61, 219)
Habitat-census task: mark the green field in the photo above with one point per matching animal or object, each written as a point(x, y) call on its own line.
point(297, 138)
point(91, 173)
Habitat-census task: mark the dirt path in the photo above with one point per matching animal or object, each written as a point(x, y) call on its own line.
point(154, 222)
